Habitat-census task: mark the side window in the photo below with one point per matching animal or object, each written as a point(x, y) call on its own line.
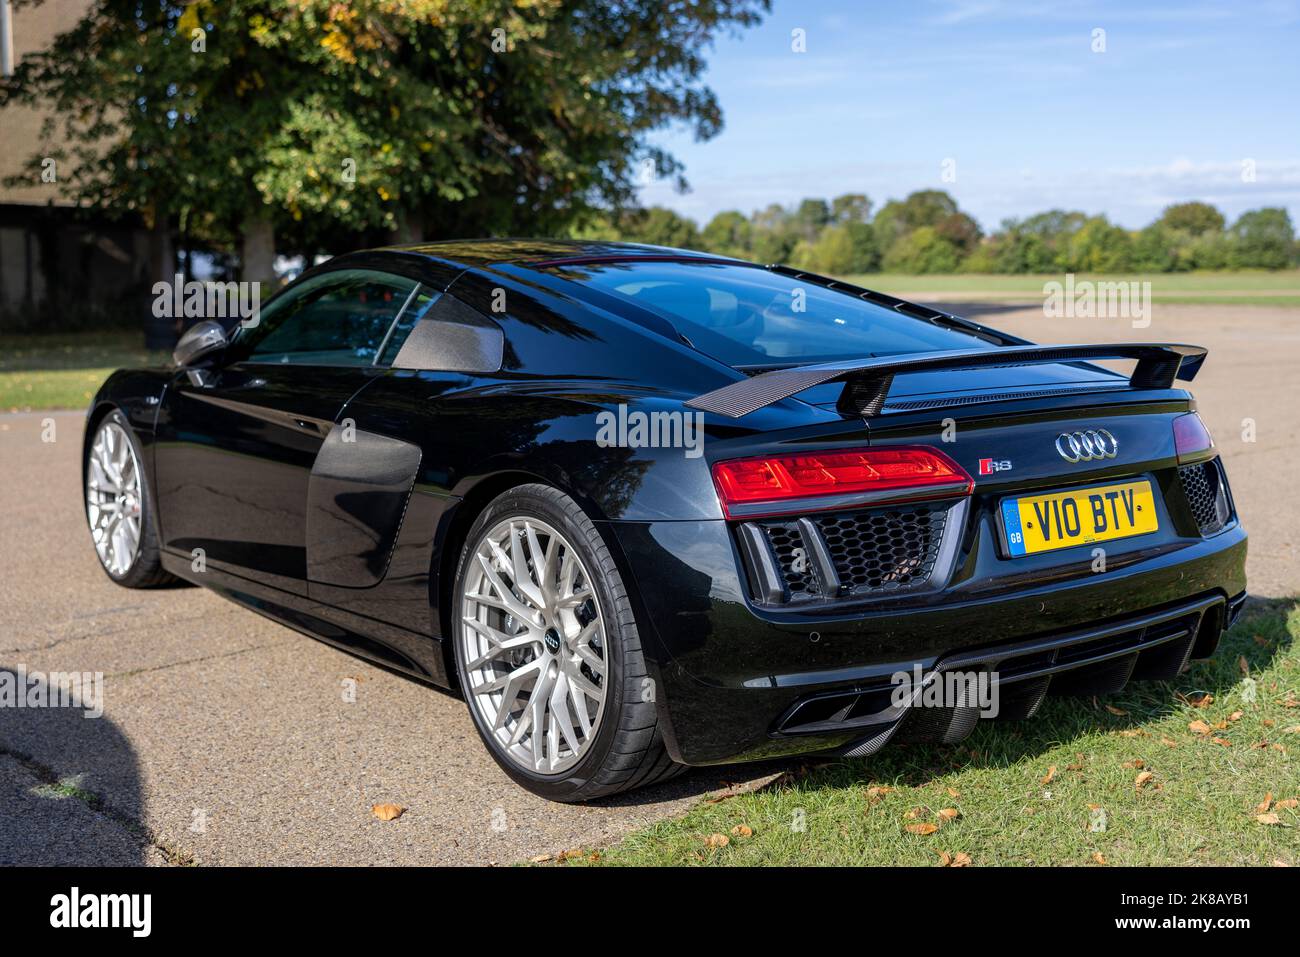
point(413, 313)
point(339, 318)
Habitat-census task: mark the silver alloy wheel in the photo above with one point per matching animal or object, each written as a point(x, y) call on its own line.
point(534, 645)
point(113, 499)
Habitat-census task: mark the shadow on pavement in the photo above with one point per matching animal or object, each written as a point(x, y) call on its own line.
point(69, 784)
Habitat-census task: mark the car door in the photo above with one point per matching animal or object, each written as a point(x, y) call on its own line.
point(237, 442)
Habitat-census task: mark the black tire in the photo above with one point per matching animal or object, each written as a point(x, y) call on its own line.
point(628, 750)
point(146, 570)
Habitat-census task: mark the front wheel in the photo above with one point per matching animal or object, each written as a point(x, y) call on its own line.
point(119, 506)
point(548, 653)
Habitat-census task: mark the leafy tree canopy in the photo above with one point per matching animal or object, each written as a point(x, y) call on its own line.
point(474, 116)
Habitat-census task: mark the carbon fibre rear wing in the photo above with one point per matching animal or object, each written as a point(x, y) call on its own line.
point(867, 381)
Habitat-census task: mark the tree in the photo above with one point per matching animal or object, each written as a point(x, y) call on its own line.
point(850, 208)
point(922, 250)
point(772, 234)
point(1099, 246)
point(810, 217)
point(659, 226)
point(1264, 239)
point(727, 234)
point(925, 207)
point(839, 251)
point(1037, 244)
point(1194, 218)
point(308, 118)
point(960, 230)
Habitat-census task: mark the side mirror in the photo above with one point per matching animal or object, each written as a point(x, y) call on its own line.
point(201, 339)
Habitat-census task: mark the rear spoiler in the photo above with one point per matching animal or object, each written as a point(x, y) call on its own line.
point(867, 381)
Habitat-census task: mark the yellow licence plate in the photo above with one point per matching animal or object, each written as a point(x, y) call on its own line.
point(1042, 523)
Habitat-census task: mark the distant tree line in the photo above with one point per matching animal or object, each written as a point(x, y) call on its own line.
point(928, 233)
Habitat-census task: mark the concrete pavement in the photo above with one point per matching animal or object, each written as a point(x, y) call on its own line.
point(226, 738)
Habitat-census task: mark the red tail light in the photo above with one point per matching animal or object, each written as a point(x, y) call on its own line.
point(1192, 439)
point(808, 481)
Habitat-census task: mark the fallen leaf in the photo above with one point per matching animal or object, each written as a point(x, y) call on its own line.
point(945, 859)
point(569, 855)
point(1291, 703)
point(1236, 716)
point(874, 794)
point(1097, 856)
point(1265, 804)
point(1132, 733)
point(1118, 712)
point(1051, 773)
point(1270, 818)
point(950, 814)
point(1142, 779)
point(387, 812)
point(539, 859)
point(717, 840)
point(1244, 665)
point(1288, 803)
point(1292, 730)
point(1267, 722)
point(953, 793)
point(742, 830)
point(1136, 764)
point(1222, 742)
point(1169, 742)
point(1077, 765)
point(1198, 727)
point(1203, 700)
point(922, 829)
point(594, 857)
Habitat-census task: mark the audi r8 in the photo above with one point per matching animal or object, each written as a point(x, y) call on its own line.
point(647, 508)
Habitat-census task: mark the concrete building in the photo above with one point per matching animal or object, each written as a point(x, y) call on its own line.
point(60, 266)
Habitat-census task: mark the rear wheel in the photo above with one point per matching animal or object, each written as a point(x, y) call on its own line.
point(119, 506)
point(548, 652)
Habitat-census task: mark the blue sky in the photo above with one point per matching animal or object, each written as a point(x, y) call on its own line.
point(1012, 92)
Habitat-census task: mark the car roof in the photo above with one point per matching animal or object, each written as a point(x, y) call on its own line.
point(478, 253)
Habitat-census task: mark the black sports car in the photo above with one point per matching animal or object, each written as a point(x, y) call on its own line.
point(649, 508)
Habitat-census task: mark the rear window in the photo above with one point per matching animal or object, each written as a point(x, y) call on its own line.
point(747, 315)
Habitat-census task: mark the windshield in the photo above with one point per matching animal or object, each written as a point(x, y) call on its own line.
point(747, 315)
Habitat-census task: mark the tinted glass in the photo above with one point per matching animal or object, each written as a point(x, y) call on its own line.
point(336, 319)
point(412, 314)
point(746, 315)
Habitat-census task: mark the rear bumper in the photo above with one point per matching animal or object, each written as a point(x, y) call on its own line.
point(733, 674)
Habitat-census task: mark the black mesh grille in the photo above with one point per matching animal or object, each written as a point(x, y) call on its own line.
point(795, 562)
point(1203, 485)
point(877, 550)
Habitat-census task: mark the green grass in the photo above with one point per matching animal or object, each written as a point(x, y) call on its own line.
point(1219, 288)
point(1199, 808)
point(63, 372)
